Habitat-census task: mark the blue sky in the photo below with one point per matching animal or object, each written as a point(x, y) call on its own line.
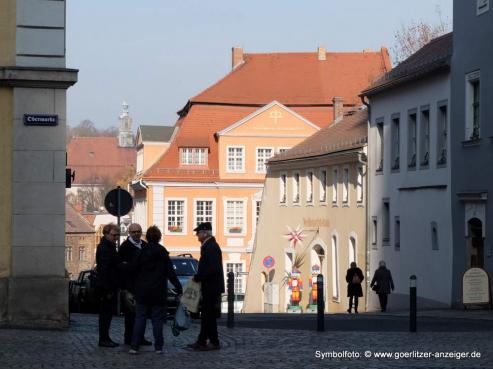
point(160, 54)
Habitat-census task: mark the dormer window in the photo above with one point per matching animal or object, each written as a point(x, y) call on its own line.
point(193, 156)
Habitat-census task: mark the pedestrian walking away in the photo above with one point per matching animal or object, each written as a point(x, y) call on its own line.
point(127, 253)
point(382, 284)
point(354, 277)
point(211, 276)
point(107, 281)
point(153, 268)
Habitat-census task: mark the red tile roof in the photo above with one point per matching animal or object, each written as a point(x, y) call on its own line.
point(97, 159)
point(348, 133)
point(75, 222)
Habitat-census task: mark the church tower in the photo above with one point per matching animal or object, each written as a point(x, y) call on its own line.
point(125, 136)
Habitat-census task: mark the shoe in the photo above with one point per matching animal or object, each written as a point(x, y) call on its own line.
point(133, 352)
point(349, 310)
point(356, 311)
point(108, 343)
point(195, 345)
point(145, 342)
point(159, 352)
point(209, 347)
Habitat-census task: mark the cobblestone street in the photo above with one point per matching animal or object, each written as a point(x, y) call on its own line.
point(241, 348)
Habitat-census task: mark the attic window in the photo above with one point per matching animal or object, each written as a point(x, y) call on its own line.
point(91, 154)
point(193, 156)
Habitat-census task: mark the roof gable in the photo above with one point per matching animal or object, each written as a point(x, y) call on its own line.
point(272, 119)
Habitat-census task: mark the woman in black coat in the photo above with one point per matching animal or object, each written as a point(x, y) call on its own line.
point(382, 284)
point(354, 277)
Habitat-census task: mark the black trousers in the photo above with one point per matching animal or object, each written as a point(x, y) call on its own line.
point(353, 300)
point(107, 306)
point(383, 297)
point(211, 305)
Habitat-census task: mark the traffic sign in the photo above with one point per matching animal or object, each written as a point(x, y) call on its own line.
point(118, 202)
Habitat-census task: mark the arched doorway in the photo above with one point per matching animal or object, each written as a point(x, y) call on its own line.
point(263, 279)
point(475, 243)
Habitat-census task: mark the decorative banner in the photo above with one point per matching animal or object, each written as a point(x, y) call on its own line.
point(475, 287)
point(294, 236)
point(268, 262)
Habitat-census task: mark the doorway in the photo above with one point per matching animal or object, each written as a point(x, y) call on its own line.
point(475, 243)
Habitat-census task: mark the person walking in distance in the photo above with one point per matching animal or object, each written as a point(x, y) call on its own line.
point(382, 284)
point(127, 253)
point(211, 275)
point(354, 277)
point(107, 281)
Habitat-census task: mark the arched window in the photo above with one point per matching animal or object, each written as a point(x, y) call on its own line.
point(335, 269)
point(352, 250)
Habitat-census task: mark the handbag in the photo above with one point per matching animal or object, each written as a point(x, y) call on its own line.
point(375, 288)
point(128, 301)
point(191, 296)
point(181, 322)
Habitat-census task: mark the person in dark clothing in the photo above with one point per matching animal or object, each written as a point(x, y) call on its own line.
point(210, 274)
point(107, 281)
point(127, 253)
point(354, 277)
point(153, 268)
point(382, 284)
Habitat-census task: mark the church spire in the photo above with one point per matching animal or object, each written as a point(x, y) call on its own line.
point(125, 136)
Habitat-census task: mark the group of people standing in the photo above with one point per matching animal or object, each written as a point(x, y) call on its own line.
point(381, 283)
point(141, 270)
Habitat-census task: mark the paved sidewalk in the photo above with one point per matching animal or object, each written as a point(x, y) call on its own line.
point(241, 348)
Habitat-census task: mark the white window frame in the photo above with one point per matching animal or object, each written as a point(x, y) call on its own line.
point(322, 181)
point(396, 142)
point(195, 210)
point(309, 186)
point(424, 137)
point(257, 158)
point(283, 188)
point(386, 222)
point(336, 291)
point(185, 216)
point(240, 277)
point(192, 153)
point(380, 146)
point(471, 78)
point(296, 189)
point(82, 254)
point(412, 139)
point(345, 185)
point(442, 134)
point(335, 185)
point(244, 215)
point(69, 253)
point(352, 250)
point(482, 6)
point(360, 186)
point(242, 170)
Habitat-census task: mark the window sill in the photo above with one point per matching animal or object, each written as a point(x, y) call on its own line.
point(424, 166)
point(283, 204)
point(335, 205)
point(395, 170)
point(360, 205)
point(471, 143)
point(386, 242)
point(345, 205)
point(378, 171)
point(411, 168)
point(322, 203)
point(296, 204)
point(309, 204)
point(441, 165)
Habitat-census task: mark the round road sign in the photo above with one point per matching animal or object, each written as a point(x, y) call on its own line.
point(118, 202)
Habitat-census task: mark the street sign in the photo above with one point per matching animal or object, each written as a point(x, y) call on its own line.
point(40, 120)
point(118, 202)
point(268, 262)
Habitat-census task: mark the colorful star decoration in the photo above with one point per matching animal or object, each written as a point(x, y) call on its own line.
point(294, 236)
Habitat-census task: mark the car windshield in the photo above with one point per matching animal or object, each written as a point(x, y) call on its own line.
point(185, 267)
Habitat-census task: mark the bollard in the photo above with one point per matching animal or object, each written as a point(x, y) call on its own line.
point(412, 304)
point(231, 300)
point(320, 303)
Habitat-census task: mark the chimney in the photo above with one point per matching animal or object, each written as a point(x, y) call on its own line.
point(236, 57)
point(338, 107)
point(321, 53)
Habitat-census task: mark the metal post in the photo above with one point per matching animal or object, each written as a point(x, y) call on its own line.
point(231, 300)
point(412, 304)
point(320, 303)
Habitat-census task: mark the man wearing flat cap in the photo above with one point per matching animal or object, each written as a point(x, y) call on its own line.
point(210, 274)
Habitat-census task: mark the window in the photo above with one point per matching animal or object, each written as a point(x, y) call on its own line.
point(335, 178)
point(68, 253)
point(434, 236)
point(473, 124)
point(345, 187)
point(352, 250)
point(283, 188)
point(442, 135)
point(309, 187)
point(359, 186)
point(424, 147)
point(263, 154)
point(176, 216)
point(204, 211)
point(482, 6)
point(237, 269)
point(296, 188)
point(380, 148)
point(335, 270)
point(374, 235)
point(193, 156)
point(397, 233)
point(323, 186)
point(82, 253)
point(235, 159)
point(140, 161)
point(235, 217)
point(386, 223)
point(395, 143)
point(280, 150)
point(258, 204)
point(411, 140)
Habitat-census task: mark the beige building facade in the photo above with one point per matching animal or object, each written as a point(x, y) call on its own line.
point(312, 221)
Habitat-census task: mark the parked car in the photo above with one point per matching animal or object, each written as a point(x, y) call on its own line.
point(82, 297)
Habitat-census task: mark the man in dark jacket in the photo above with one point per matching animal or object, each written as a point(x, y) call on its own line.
point(354, 277)
point(107, 281)
point(382, 284)
point(210, 274)
point(153, 268)
point(128, 252)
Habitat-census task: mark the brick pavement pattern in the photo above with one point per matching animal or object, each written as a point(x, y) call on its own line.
point(76, 348)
